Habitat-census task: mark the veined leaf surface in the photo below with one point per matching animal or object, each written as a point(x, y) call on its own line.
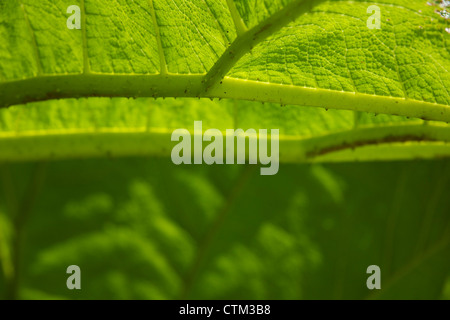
point(337, 90)
point(303, 53)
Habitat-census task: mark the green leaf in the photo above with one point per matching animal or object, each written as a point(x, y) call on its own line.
point(144, 228)
point(307, 53)
point(300, 52)
point(98, 127)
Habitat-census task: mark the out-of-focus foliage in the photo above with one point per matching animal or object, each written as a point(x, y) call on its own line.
point(146, 229)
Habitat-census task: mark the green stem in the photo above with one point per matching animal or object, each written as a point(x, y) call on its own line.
point(170, 85)
point(245, 42)
point(121, 142)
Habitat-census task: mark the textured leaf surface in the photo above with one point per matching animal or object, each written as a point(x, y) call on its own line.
point(278, 51)
point(307, 53)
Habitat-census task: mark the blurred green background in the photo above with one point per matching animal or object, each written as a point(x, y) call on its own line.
point(144, 228)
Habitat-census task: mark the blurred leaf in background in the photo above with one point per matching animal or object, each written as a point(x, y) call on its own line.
point(147, 229)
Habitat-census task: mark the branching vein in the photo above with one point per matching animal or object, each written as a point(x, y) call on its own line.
point(245, 42)
point(86, 68)
point(162, 58)
point(33, 39)
point(239, 24)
